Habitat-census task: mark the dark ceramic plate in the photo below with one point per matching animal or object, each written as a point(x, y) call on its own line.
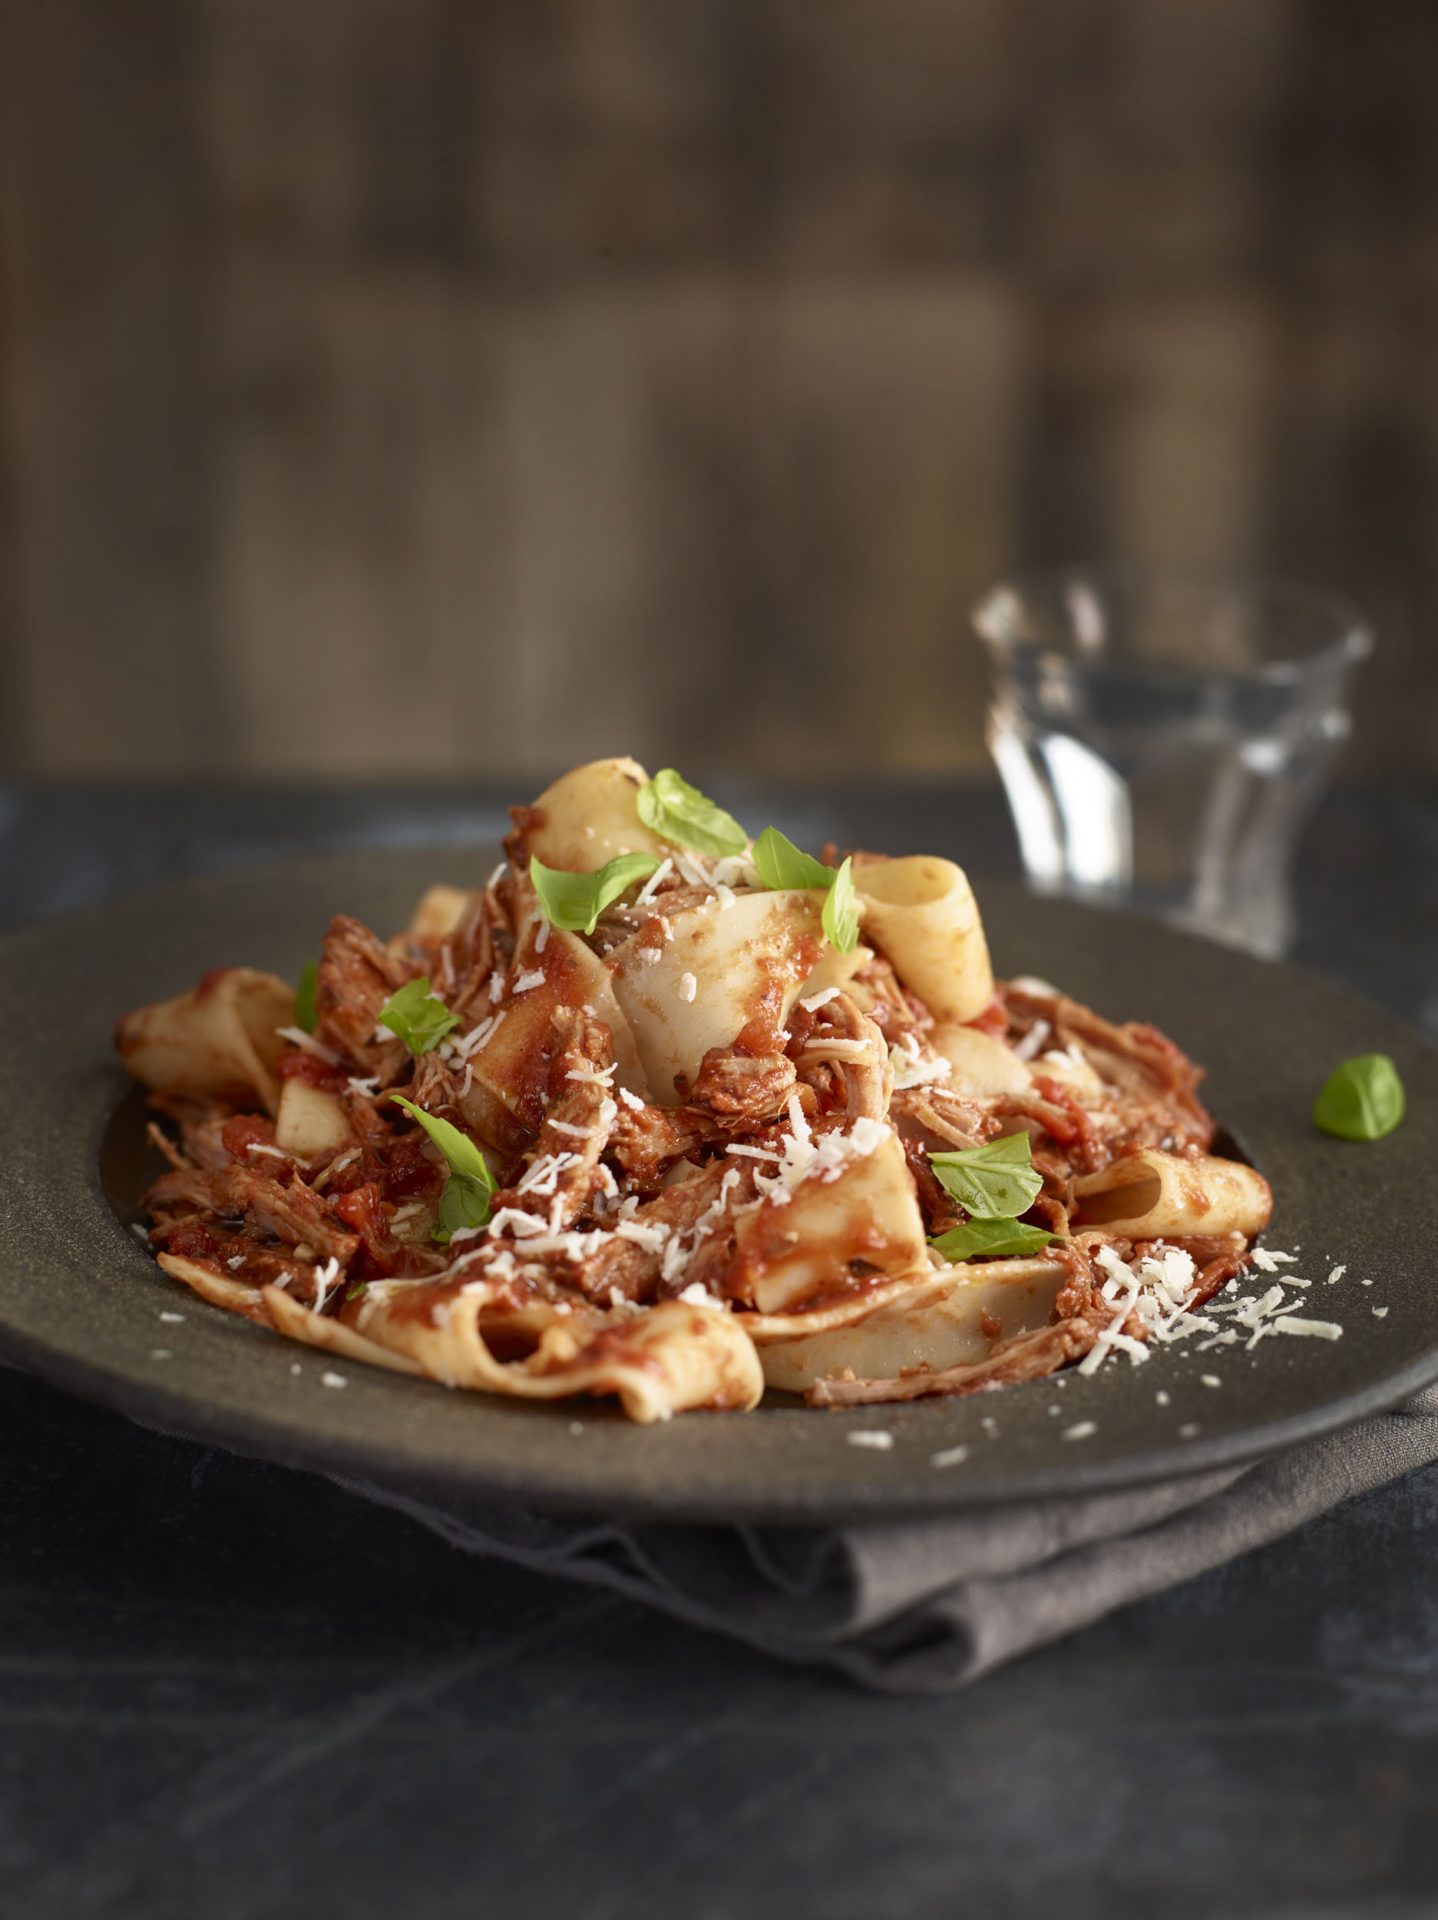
point(80, 1300)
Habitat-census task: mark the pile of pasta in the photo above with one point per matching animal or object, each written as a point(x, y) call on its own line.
point(666, 1113)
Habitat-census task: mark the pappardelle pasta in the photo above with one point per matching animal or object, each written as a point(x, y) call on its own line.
point(669, 1114)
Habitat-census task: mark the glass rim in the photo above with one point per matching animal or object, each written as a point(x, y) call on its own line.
point(1353, 638)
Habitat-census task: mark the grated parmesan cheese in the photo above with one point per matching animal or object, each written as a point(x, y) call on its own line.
point(655, 881)
point(1032, 1041)
point(325, 1278)
point(820, 999)
point(688, 986)
point(874, 1437)
point(307, 1043)
point(1310, 1329)
point(527, 981)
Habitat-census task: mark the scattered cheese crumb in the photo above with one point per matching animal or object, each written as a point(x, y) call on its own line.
point(1080, 1432)
point(1161, 1398)
point(1336, 1275)
point(295, 1367)
point(1211, 1380)
point(696, 1295)
point(949, 1457)
point(533, 977)
point(328, 1379)
point(1188, 1432)
point(1380, 1313)
point(870, 1437)
point(1313, 1329)
point(688, 986)
point(174, 1319)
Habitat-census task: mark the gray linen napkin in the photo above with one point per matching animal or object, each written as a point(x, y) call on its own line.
point(920, 1606)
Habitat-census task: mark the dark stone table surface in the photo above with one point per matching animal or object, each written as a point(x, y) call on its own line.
point(230, 1690)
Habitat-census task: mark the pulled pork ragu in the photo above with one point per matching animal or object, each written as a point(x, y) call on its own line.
point(613, 1196)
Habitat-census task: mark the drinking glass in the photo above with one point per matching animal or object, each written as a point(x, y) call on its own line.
point(1162, 739)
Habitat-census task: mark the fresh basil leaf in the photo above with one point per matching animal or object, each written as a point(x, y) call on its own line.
point(670, 807)
point(417, 1016)
point(841, 911)
point(996, 1181)
point(1361, 1100)
point(305, 994)
point(982, 1239)
point(470, 1187)
point(464, 1203)
point(575, 901)
point(780, 864)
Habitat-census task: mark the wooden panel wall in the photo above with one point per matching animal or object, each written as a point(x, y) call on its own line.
point(404, 386)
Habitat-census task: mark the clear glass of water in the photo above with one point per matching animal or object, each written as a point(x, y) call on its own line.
point(1162, 739)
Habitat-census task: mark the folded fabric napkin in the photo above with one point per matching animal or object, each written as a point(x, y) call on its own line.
point(920, 1606)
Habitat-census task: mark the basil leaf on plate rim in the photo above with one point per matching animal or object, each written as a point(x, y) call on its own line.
point(1362, 1099)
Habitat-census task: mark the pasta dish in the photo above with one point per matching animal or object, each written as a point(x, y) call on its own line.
point(664, 1112)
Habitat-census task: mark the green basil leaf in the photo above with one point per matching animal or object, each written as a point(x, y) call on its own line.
point(575, 901)
point(470, 1187)
point(1361, 1100)
point(996, 1181)
point(305, 992)
point(982, 1239)
point(417, 1016)
point(780, 864)
point(841, 911)
point(670, 807)
point(464, 1203)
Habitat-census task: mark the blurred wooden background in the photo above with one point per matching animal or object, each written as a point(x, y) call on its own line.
point(412, 386)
